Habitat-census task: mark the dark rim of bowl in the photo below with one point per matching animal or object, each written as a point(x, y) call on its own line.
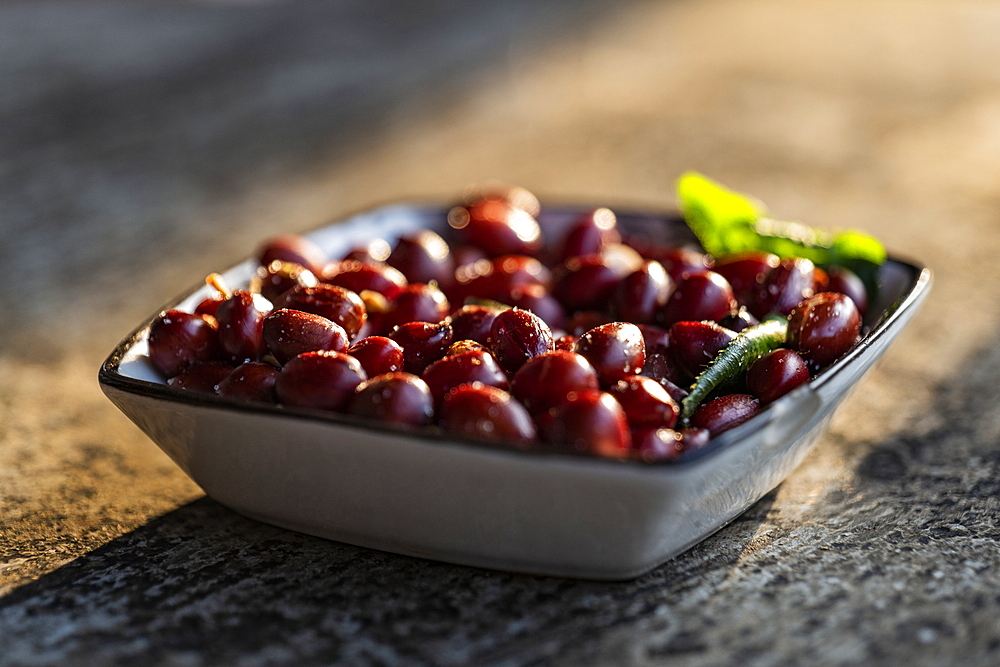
point(110, 376)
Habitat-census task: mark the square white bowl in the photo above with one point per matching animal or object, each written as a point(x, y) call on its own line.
point(423, 493)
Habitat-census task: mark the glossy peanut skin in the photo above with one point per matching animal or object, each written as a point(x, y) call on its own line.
point(361, 276)
point(466, 254)
point(641, 294)
point(178, 340)
point(378, 355)
point(376, 250)
point(746, 271)
point(278, 277)
point(466, 368)
point(393, 398)
point(487, 413)
point(645, 401)
point(659, 364)
point(701, 295)
point(423, 257)
point(677, 393)
point(652, 443)
point(622, 259)
point(376, 307)
point(209, 306)
point(589, 421)
point(498, 228)
point(289, 333)
point(473, 323)
point(775, 374)
point(319, 380)
point(785, 286)
point(655, 338)
point(252, 382)
point(340, 306)
point(615, 350)
point(516, 336)
point(693, 345)
point(548, 379)
point(203, 377)
point(418, 302)
point(591, 232)
point(738, 321)
point(695, 438)
point(462, 346)
point(520, 270)
point(723, 413)
point(679, 262)
point(241, 324)
point(292, 248)
point(823, 328)
point(514, 195)
point(583, 321)
point(585, 283)
point(536, 298)
point(494, 279)
point(821, 281)
point(662, 368)
point(423, 343)
point(567, 342)
point(847, 282)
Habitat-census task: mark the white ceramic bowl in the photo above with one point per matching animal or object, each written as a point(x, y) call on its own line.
point(433, 496)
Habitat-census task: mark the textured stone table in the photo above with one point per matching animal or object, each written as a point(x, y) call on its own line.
point(144, 146)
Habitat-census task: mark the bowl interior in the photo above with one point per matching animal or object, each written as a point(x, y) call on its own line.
point(902, 285)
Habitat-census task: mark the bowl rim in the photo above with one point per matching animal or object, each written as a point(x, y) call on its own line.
point(110, 376)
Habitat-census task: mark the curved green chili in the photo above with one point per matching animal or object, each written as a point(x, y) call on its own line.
point(748, 346)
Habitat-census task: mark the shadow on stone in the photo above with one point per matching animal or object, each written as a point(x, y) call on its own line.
point(882, 463)
point(960, 427)
point(203, 581)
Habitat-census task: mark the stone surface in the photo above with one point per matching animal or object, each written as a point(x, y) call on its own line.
point(142, 147)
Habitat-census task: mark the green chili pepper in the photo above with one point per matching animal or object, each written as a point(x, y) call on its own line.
point(748, 346)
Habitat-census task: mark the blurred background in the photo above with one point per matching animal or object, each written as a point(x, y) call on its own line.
point(144, 145)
